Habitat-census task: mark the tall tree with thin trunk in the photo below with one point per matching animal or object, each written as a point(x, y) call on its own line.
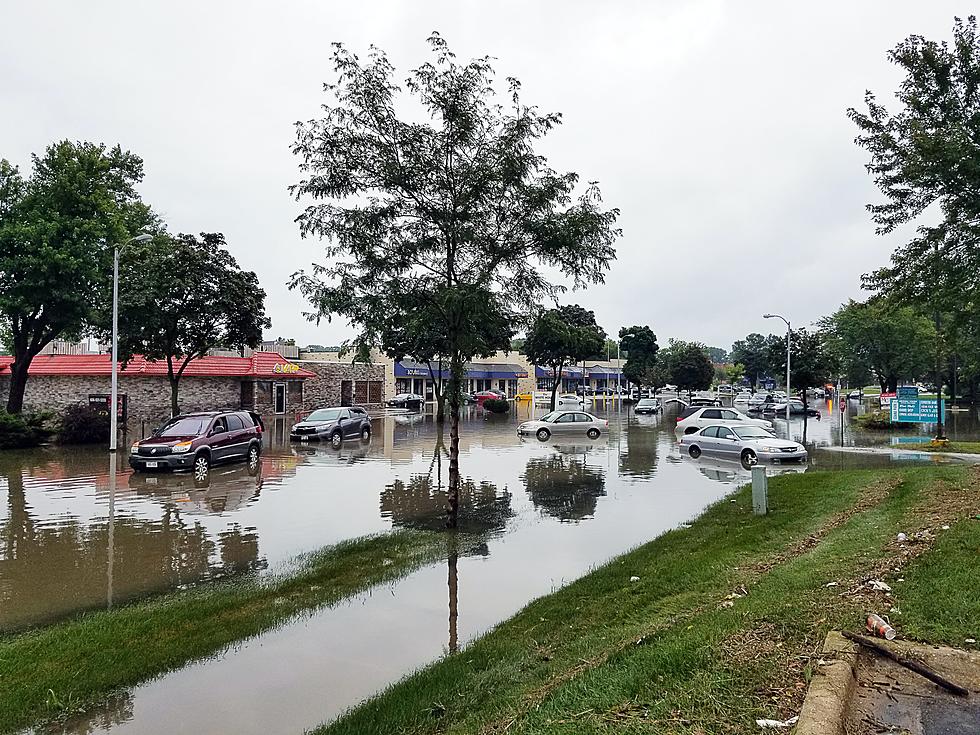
point(453, 204)
point(180, 297)
point(57, 231)
point(926, 156)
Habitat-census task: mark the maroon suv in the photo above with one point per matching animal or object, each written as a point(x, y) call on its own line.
point(198, 440)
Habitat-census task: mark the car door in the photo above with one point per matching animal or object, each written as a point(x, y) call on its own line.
point(345, 423)
point(583, 422)
point(565, 423)
point(218, 439)
point(237, 441)
point(708, 439)
point(730, 417)
point(725, 441)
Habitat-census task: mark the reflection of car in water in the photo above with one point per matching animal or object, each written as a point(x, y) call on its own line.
point(347, 455)
point(240, 480)
point(733, 472)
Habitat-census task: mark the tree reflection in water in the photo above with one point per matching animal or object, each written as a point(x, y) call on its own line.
point(563, 485)
point(638, 458)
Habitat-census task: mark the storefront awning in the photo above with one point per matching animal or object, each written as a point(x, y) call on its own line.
point(474, 370)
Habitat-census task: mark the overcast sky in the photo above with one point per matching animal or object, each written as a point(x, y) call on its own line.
point(718, 128)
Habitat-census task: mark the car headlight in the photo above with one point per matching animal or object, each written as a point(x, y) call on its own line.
point(135, 449)
point(180, 447)
point(770, 449)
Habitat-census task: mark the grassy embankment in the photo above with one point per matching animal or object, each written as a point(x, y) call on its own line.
point(59, 670)
point(725, 622)
point(960, 447)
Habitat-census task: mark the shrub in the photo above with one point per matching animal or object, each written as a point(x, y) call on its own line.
point(880, 421)
point(496, 405)
point(81, 424)
point(19, 430)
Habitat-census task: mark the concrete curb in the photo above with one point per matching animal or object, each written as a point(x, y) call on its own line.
point(830, 689)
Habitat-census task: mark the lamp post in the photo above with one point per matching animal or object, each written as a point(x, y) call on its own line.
point(113, 411)
point(789, 339)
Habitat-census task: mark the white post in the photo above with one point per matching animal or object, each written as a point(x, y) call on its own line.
point(113, 428)
point(760, 491)
point(788, 392)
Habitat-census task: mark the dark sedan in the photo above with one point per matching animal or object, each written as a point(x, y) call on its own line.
point(647, 405)
point(333, 425)
point(410, 401)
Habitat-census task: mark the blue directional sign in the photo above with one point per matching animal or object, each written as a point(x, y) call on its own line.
point(908, 392)
point(915, 411)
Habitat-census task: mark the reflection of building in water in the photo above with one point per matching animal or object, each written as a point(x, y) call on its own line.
point(564, 486)
point(53, 567)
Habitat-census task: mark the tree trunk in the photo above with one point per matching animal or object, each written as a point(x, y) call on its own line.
point(18, 383)
point(174, 385)
point(892, 384)
point(952, 381)
point(453, 601)
point(554, 385)
point(452, 501)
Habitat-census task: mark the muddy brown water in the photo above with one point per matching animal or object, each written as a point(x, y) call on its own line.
point(547, 512)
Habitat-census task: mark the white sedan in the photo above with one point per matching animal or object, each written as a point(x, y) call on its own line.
point(564, 423)
point(749, 444)
point(711, 416)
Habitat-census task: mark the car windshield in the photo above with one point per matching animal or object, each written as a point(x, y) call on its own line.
point(647, 402)
point(752, 432)
point(550, 417)
point(186, 426)
point(324, 414)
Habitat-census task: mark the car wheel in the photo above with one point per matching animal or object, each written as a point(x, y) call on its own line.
point(366, 433)
point(543, 434)
point(336, 439)
point(593, 433)
point(694, 450)
point(749, 458)
point(253, 457)
point(202, 466)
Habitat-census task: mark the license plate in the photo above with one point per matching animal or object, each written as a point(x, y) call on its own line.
point(151, 464)
point(304, 438)
point(151, 481)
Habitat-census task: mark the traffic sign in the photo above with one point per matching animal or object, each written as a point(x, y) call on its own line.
point(907, 392)
point(915, 411)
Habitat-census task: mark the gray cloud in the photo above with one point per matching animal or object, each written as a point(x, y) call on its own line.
point(717, 127)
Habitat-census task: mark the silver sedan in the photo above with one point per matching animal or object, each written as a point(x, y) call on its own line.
point(564, 423)
point(750, 444)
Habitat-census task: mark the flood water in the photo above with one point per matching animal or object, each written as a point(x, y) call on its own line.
point(545, 512)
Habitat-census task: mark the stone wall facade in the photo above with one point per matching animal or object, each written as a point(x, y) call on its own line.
point(148, 398)
point(343, 383)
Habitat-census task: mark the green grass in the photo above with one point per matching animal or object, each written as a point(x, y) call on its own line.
point(961, 447)
point(668, 653)
point(59, 670)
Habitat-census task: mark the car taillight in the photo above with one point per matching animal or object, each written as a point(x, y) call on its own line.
point(607, 423)
point(679, 419)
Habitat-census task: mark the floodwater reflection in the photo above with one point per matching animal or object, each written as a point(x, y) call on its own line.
point(563, 485)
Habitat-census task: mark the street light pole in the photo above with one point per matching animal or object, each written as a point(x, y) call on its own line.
point(113, 410)
point(789, 340)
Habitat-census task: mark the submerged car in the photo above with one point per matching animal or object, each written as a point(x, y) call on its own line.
point(690, 421)
point(564, 423)
point(648, 405)
point(196, 441)
point(333, 425)
point(749, 444)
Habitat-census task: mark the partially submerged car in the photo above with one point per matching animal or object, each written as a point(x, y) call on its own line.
point(648, 406)
point(564, 423)
point(749, 444)
point(333, 425)
point(195, 441)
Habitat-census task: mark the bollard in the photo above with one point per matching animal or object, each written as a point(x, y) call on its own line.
point(760, 491)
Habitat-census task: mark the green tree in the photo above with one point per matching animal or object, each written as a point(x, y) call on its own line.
point(454, 203)
point(57, 231)
point(752, 353)
point(560, 337)
point(688, 365)
point(925, 156)
point(811, 364)
point(640, 345)
point(891, 342)
point(182, 296)
point(718, 355)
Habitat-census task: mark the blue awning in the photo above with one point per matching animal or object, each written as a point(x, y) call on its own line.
point(566, 372)
point(474, 370)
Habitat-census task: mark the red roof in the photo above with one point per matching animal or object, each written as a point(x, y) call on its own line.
point(259, 365)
